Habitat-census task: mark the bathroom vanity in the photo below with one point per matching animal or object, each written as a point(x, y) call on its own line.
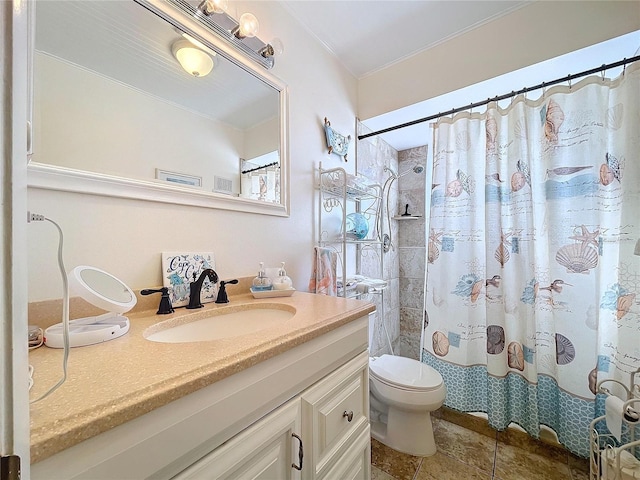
point(288, 401)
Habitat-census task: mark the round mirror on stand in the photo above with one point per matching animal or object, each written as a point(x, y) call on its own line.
point(104, 291)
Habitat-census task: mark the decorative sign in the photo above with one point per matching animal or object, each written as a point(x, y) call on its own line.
point(178, 270)
point(336, 142)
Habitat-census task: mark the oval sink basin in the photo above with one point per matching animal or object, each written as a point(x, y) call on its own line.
point(216, 325)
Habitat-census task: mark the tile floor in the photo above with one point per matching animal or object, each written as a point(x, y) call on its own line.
point(478, 453)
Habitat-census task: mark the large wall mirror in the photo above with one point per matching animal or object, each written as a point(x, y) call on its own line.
point(114, 113)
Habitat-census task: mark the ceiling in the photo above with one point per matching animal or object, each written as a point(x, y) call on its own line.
point(125, 42)
point(368, 35)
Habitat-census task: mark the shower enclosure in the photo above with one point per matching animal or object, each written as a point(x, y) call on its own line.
point(405, 260)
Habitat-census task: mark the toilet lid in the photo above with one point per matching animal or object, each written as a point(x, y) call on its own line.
point(405, 372)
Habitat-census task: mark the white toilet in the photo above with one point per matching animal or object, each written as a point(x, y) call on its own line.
point(404, 392)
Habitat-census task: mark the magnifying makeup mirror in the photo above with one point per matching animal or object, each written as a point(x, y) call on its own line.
point(104, 291)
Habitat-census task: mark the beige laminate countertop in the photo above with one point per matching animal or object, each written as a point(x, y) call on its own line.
point(111, 383)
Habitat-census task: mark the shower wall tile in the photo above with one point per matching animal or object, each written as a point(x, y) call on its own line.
point(373, 155)
point(416, 201)
point(393, 325)
point(412, 233)
point(409, 347)
point(391, 264)
point(370, 262)
point(411, 243)
point(392, 295)
point(410, 332)
point(413, 155)
point(412, 262)
point(412, 293)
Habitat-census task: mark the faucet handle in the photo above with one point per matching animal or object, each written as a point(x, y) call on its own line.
point(222, 291)
point(165, 301)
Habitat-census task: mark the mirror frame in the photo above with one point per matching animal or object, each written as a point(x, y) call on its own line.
point(50, 177)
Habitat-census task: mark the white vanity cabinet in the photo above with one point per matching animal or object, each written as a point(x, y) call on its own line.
point(251, 425)
point(329, 421)
point(335, 414)
point(262, 451)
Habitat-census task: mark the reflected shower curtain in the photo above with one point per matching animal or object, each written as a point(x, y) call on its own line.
point(532, 285)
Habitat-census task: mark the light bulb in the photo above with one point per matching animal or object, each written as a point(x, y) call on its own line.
point(248, 25)
point(194, 61)
point(213, 6)
point(278, 46)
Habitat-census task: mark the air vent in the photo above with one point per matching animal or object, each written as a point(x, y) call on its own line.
point(222, 185)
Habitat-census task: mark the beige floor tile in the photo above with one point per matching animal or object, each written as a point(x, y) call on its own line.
point(442, 467)
point(465, 445)
point(522, 440)
point(579, 464)
point(377, 474)
point(399, 465)
point(466, 420)
point(513, 463)
point(577, 474)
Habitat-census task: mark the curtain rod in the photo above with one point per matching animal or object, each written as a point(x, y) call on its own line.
point(568, 78)
point(260, 168)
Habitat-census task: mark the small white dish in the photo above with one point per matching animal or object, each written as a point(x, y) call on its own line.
point(272, 293)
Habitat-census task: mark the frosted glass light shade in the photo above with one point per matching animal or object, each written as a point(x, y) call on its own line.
point(248, 25)
point(194, 61)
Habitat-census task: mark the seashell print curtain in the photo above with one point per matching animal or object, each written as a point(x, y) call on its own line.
point(532, 285)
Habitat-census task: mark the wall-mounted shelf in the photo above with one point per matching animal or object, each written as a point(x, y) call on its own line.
point(341, 194)
point(407, 217)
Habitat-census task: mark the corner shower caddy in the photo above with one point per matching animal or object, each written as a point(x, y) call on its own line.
point(606, 457)
point(337, 198)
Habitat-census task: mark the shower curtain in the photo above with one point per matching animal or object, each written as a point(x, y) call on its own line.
point(532, 285)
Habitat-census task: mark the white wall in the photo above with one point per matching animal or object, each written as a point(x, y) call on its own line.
point(85, 121)
point(126, 237)
point(537, 32)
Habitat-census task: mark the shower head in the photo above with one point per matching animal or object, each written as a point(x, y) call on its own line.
point(418, 168)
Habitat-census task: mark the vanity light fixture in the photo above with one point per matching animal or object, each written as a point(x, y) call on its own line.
point(239, 33)
point(194, 61)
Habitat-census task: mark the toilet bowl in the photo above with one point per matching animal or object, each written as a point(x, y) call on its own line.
point(404, 392)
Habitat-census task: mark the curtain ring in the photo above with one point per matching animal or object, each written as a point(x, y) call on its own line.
point(603, 72)
point(569, 80)
point(544, 90)
point(624, 65)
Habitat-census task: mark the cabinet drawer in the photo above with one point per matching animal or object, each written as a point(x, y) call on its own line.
point(355, 464)
point(335, 411)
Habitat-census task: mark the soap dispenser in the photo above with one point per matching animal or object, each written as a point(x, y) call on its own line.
point(282, 281)
point(262, 282)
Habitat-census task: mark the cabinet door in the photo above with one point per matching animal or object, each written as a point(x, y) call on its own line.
point(335, 412)
point(266, 450)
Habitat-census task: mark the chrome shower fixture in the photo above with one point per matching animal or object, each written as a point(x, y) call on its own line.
point(393, 172)
point(418, 168)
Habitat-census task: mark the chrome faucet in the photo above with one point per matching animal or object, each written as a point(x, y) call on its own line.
point(196, 286)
